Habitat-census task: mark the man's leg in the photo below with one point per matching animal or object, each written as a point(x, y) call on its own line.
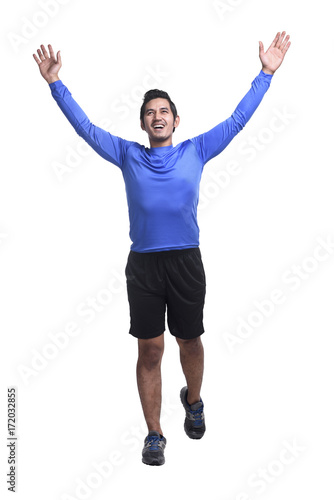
point(192, 361)
point(150, 353)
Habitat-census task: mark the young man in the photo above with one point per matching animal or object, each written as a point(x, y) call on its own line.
point(164, 267)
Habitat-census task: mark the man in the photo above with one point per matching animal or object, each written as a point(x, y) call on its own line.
point(164, 267)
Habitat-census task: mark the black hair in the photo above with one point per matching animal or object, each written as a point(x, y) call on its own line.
point(154, 94)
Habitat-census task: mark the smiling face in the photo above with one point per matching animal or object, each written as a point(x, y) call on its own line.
point(159, 122)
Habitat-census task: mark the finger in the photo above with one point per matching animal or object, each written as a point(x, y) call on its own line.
point(285, 42)
point(41, 56)
point(286, 48)
point(36, 59)
point(59, 57)
point(51, 51)
point(273, 43)
point(279, 42)
point(45, 53)
point(261, 50)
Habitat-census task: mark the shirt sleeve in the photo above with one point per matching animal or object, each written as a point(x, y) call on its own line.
point(110, 147)
point(213, 142)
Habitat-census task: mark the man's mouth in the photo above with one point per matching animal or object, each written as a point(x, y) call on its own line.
point(157, 127)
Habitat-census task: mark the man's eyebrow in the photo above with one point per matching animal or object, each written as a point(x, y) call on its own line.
point(162, 107)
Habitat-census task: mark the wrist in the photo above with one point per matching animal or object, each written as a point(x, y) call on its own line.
point(52, 79)
point(267, 71)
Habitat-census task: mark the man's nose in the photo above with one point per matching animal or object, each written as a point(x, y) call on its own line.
point(159, 115)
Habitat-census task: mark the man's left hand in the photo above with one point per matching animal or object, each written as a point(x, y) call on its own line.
point(273, 58)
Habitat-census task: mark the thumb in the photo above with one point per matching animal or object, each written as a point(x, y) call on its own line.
point(261, 48)
point(58, 57)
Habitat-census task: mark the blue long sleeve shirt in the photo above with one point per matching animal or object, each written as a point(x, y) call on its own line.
point(162, 183)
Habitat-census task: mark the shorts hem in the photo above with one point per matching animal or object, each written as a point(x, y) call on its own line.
point(138, 336)
point(189, 337)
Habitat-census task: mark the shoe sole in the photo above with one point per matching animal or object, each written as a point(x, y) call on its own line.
point(155, 461)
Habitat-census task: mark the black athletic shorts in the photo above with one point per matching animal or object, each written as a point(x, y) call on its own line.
point(174, 279)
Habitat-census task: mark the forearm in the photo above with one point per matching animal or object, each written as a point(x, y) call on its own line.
point(110, 147)
point(252, 99)
point(71, 109)
point(213, 142)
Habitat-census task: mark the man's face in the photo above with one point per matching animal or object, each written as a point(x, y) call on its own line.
point(159, 122)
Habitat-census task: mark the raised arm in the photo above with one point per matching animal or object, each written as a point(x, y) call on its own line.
point(213, 142)
point(110, 147)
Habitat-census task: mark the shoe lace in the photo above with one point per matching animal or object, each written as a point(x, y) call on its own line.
point(198, 416)
point(153, 443)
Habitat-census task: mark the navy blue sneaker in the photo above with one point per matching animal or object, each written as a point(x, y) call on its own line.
point(194, 424)
point(153, 451)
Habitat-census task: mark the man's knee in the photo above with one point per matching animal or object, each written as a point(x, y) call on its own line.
point(190, 344)
point(150, 351)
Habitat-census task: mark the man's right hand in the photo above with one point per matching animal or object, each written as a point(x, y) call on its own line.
point(49, 66)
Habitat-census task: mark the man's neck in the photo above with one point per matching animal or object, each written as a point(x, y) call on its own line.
point(159, 144)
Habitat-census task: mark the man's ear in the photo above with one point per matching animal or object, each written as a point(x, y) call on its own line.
point(176, 121)
point(142, 125)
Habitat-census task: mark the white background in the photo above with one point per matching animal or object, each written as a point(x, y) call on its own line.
point(65, 239)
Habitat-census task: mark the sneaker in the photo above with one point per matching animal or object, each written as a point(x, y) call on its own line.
point(194, 424)
point(153, 451)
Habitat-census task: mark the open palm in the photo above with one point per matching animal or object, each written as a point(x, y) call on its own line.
point(273, 58)
point(48, 65)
